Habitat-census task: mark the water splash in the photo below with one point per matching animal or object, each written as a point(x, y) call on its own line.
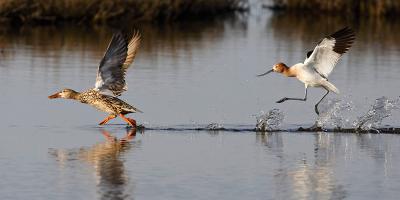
point(381, 109)
point(337, 115)
point(269, 121)
point(333, 114)
point(215, 126)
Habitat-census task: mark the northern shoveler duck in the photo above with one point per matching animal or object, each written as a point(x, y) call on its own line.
point(319, 64)
point(110, 80)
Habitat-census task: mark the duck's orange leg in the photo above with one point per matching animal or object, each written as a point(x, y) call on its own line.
point(107, 119)
point(131, 122)
point(108, 136)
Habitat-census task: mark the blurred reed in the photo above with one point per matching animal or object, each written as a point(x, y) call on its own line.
point(349, 8)
point(100, 11)
point(371, 31)
point(54, 42)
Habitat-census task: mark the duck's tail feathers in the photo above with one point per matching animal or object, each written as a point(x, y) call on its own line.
point(131, 110)
point(138, 111)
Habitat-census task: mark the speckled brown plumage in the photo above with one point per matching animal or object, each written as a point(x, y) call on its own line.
point(110, 80)
point(106, 103)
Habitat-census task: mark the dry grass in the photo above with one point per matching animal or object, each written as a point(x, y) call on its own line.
point(343, 7)
point(100, 11)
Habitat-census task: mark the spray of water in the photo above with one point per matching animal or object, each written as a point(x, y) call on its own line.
point(214, 126)
point(336, 115)
point(381, 109)
point(269, 121)
point(333, 113)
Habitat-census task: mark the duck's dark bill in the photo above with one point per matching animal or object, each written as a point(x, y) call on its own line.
point(56, 95)
point(266, 73)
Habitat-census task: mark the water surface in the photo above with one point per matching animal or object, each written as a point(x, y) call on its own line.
point(193, 74)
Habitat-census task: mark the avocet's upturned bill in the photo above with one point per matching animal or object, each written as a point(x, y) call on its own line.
point(319, 64)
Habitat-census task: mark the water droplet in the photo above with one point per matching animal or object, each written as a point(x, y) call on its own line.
point(269, 121)
point(381, 109)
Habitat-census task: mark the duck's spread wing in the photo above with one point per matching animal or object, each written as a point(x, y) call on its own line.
point(119, 55)
point(329, 50)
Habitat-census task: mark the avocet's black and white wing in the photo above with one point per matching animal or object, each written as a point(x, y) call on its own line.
point(118, 57)
point(327, 53)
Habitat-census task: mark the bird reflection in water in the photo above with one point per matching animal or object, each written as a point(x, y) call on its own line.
point(107, 160)
point(298, 178)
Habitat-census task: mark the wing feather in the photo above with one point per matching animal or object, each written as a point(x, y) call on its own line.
point(327, 53)
point(118, 57)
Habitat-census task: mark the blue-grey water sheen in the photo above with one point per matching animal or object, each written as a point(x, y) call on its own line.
point(102, 163)
point(194, 74)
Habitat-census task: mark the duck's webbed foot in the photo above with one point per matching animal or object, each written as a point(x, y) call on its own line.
point(133, 122)
point(130, 121)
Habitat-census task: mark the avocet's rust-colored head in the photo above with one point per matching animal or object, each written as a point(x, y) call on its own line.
point(65, 93)
point(279, 68)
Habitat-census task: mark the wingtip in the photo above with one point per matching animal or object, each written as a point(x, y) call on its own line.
point(130, 37)
point(136, 34)
point(344, 32)
point(135, 39)
point(344, 38)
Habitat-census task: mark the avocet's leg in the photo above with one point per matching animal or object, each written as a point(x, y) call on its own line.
point(107, 119)
point(316, 105)
point(297, 99)
point(131, 122)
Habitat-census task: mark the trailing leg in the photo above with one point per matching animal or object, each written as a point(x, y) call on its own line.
point(297, 99)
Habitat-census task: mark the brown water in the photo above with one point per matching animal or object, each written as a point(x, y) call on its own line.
point(193, 74)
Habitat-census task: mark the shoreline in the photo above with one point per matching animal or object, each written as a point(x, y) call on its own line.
point(17, 12)
point(344, 8)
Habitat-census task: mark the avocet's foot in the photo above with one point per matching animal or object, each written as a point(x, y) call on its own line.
point(315, 127)
point(282, 100)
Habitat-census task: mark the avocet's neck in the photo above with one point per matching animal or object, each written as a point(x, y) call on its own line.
point(289, 71)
